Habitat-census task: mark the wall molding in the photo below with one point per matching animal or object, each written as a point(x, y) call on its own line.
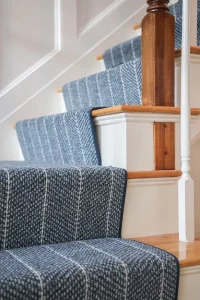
point(152, 181)
point(99, 17)
point(69, 61)
point(190, 270)
point(138, 117)
point(46, 58)
point(194, 59)
point(173, 2)
point(195, 139)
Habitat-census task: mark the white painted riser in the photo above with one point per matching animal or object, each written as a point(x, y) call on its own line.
point(151, 207)
point(189, 288)
point(195, 86)
point(126, 140)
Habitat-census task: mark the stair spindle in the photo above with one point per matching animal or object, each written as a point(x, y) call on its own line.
point(186, 183)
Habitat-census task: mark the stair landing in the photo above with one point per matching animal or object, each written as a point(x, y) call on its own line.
point(188, 254)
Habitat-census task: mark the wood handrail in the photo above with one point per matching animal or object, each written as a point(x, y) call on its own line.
point(137, 109)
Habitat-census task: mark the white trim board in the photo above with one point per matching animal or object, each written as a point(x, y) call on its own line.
point(152, 181)
point(46, 58)
point(138, 117)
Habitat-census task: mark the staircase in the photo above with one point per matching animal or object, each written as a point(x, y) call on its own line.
point(92, 208)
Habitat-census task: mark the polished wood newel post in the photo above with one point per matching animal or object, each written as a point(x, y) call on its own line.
point(158, 31)
point(158, 35)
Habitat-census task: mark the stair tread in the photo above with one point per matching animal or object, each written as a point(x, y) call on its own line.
point(115, 86)
point(193, 50)
point(154, 174)
point(55, 134)
point(188, 254)
point(117, 55)
point(79, 201)
point(141, 109)
point(107, 268)
point(137, 109)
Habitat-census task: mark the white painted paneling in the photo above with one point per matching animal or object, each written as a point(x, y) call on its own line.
point(151, 207)
point(75, 59)
point(27, 35)
point(53, 29)
point(195, 87)
point(127, 140)
point(189, 287)
point(87, 10)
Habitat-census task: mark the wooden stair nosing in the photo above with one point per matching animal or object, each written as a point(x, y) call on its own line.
point(154, 174)
point(177, 54)
point(188, 254)
point(99, 57)
point(193, 50)
point(141, 109)
point(137, 26)
point(137, 109)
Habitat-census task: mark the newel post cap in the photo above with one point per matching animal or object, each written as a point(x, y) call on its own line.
point(157, 6)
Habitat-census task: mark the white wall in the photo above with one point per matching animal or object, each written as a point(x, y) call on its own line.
point(90, 9)
point(48, 43)
point(27, 35)
point(195, 166)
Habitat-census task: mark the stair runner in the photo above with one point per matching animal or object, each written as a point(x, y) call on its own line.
point(61, 212)
point(198, 22)
point(121, 82)
point(60, 238)
point(64, 139)
point(131, 49)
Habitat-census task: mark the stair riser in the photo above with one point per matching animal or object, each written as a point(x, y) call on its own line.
point(151, 207)
point(189, 287)
point(127, 140)
point(194, 82)
point(129, 144)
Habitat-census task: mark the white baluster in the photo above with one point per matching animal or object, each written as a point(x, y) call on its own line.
point(186, 184)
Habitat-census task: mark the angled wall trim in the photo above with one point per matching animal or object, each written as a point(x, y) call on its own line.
point(68, 63)
point(46, 58)
point(100, 16)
